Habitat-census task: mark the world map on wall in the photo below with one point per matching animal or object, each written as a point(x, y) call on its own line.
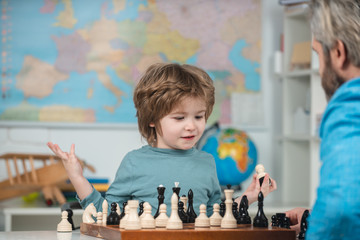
point(79, 60)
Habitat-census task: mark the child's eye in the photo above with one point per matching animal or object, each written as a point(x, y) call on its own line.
point(178, 118)
point(199, 117)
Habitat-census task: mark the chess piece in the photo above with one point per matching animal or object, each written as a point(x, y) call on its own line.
point(176, 189)
point(303, 224)
point(260, 170)
point(99, 218)
point(69, 218)
point(260, 219)
point(118, 211)
point(105, 207)
point(215, 219)
point(162, 219)
point(145, 204)
point(113, 218)
point(123, 212)
point(161, 197)
point(64, 225)
point(123, 221)
point(133, 220)
point(190, 211)
point(89, 211)
point(222, 208)
point(148, 221)
point(141, 208)
point(174, 221)
point(202, 220)
point(182, 214)
point(228, 220)
point(184, 199)
point(244, 217)
point(279, 220)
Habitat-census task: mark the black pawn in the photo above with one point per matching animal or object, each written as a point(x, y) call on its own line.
point(182, 214)
point(161, 197)
point(244, 217)
point(190, 211)
point(141, 208)
point(273, 221)
point(260, 219)
point(222, 208)
point(123, 211)
point(303, 224)
point(69, 218)
point(113, 218)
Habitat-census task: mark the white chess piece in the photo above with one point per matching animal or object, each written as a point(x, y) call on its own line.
point(228, 221)
point(202, 220)
point(89, 211)
point(184, 199)
point(148, 220)
point(99, 218)
point(144, 205)
point(260, 170)
point(64, 225)
point(105, 206)
point(174, 221)
point(123, 221)
point(215, 219)
point(133, 220)
point(118, 211)
point(162, 219)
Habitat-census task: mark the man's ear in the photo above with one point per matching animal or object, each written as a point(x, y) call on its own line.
point(338, 56)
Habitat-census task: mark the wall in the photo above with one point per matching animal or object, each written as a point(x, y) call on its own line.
point(104, 147)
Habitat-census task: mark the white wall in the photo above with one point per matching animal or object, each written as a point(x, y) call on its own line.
point(104, 147)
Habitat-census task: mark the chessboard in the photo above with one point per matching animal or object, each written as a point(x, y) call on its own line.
point(243, 231)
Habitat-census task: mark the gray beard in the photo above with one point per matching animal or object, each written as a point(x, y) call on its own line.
point(330, 80)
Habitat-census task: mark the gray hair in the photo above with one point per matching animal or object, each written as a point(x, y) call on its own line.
point(333, 20)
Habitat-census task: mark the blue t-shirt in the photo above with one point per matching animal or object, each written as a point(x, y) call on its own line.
point(144, 169)
point(336, 213)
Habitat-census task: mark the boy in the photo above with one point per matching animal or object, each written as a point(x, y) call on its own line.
point(173, 103)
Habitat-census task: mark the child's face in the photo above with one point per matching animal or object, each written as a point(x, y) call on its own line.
point(183, 126)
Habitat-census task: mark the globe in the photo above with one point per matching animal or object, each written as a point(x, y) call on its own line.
point(234, 152)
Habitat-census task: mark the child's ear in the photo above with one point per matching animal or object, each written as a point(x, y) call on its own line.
point(151, 125)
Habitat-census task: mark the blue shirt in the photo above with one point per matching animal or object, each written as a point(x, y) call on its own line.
point(336, 213)
point(144, 169)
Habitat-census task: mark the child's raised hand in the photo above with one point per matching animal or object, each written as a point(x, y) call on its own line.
point(254, 188)
point(71, 163)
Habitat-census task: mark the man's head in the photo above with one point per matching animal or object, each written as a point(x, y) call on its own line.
point(336, 30)
point(162, 88)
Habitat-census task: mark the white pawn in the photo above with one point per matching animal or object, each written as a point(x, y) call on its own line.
point(202, 220)
point(148, 220)
point(162, 219)
point(228, 221)
point(99, 218)
point(133, 220)
point(123, 221)
point(174, 221)
point(105, 206)
point(215, 219)
point(144, 205)
point(64, 225)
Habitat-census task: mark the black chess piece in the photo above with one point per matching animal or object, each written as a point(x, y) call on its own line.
point(122, 214)
point(222, 208)
point(113, 218)
point(303, 224)
point(273, 221)
point(260, 219)
point(141, 208)
point(161, 197)
point(69, 218)
point(286, 223)
point(182, 214)
point(244, 217)
point(190, 211)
